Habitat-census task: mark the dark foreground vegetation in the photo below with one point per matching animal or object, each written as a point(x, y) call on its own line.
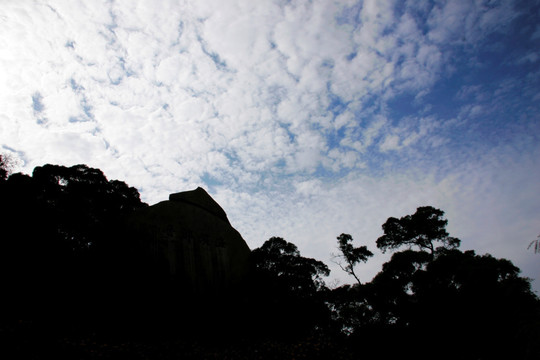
point(74, 285)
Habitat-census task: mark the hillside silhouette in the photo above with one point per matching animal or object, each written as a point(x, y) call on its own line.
point(90, 271)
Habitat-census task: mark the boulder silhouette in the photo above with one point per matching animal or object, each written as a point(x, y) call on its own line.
point(192, 238)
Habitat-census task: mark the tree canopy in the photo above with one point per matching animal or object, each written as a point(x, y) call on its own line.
point(281, 259)
point(63, 235)
point(430, 292)
point(3, 168)
point(288, 290)
point(424, 229)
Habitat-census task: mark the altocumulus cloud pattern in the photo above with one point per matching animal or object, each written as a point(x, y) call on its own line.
point(302, 119)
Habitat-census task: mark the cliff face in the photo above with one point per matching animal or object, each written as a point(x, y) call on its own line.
point(191, 236)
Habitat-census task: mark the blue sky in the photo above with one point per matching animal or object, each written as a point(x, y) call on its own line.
point(302, 119)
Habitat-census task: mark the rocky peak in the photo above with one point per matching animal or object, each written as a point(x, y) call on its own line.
point(200, 198)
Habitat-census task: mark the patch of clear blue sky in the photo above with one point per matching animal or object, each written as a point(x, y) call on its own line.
point(37, 102)
point(85, 105)
point(362, 117)
point(210, 181)
point(491, 75)
point(337, 105)
point(39, 107)
point(350, 15)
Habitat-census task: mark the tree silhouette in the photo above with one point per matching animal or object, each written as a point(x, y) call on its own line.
point(423, 229)
point(6, 165)
point(64, 239)
point(281, 260)
point(287, 290)
point(391, 292)
point(351, 255)
point(478, 300)
point(483, 292)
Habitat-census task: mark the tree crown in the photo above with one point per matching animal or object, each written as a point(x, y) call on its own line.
point(423, 229)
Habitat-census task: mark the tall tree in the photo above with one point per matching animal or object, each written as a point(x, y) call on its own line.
point(424, 229)
point(351, 255)
point(282, 260)
point(288, 290)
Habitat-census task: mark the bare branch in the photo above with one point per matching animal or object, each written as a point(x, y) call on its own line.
point(536, 244)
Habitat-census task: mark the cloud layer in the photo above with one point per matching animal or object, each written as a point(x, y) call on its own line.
point(304, 120)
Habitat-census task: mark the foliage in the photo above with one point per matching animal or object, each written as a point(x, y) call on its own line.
point(390, 293)
point(282, 261)
point(350, 310)
point(63, 236)
point(432, 296)
point(83, 202)
point(6, 165)
point(422, 229)
point(481, 291)
point(477, 298)
point(351, 255)
point(287, 290)
point(3, 168)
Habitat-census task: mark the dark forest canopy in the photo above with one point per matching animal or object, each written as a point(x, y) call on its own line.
point(68, 257)
point(62, 244)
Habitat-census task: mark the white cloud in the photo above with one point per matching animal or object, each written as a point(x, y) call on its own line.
point(373, 131)
point(391, 142)
point(468, 21)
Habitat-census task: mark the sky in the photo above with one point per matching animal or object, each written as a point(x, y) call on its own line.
point(302, 119)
